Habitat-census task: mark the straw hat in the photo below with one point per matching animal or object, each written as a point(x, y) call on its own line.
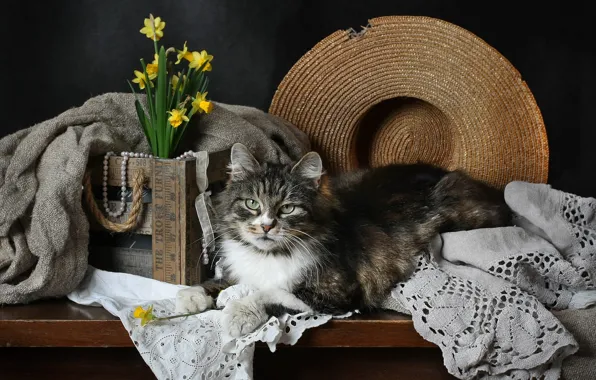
point(416, 89)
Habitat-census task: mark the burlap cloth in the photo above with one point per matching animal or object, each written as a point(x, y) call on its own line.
point(44, 231)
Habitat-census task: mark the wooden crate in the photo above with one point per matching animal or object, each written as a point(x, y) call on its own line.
point(168, 242)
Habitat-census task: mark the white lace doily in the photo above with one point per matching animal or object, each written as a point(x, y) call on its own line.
point(193, 347)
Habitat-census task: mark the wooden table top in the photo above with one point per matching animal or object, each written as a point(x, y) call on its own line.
point(62, 323)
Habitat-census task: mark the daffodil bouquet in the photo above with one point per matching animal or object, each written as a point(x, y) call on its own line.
point(173, 97)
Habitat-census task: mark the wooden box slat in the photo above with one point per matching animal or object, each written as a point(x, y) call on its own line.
point(176, 228)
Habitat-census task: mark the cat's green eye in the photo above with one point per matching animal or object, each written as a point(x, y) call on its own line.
point(287, 209)
point(251, 204)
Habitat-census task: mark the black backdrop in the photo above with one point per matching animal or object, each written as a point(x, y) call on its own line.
point(56, 54)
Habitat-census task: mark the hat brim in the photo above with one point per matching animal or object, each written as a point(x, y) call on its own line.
point(416, 89)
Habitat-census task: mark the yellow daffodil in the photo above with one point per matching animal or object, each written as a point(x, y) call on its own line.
point(152, 67)
point(145, 316)
point(197, 60)
point(139, 312)
point(152, 71)
point(175, 80)
point(184, 53)
point(153, 28)
point(201, 104)
point(177, 117)
point(141, 79)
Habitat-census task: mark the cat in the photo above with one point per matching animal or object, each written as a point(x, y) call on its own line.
point(309, 242)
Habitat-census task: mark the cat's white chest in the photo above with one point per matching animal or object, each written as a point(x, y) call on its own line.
point(245, 266)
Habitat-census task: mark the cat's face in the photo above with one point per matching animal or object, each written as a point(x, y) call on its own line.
point(271, 207)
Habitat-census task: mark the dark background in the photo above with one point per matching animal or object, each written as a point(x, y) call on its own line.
point(57, 54)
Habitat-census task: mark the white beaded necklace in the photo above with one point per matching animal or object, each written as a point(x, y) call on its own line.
point(125, 157)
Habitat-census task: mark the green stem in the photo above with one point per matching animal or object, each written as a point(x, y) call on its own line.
point(204, 86)
point(186, 83)
point(176, 316)
point(152, 111)
point(171, 137)
point(148, 91)
point(145, 122)
point(176, 98)
point(160, 100)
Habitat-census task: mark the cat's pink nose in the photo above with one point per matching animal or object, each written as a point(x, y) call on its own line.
point(268, 227)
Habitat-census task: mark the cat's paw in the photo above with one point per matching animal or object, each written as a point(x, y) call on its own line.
point(242, 317)
point(193, 300)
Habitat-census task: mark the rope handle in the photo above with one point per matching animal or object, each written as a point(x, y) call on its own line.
point(135, 211)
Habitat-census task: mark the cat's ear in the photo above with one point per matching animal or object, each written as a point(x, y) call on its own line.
point(310, 167)
point(242, 162)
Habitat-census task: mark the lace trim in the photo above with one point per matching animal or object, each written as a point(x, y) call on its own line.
point(490, 331)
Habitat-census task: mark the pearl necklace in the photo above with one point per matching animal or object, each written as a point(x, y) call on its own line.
point(125, 157)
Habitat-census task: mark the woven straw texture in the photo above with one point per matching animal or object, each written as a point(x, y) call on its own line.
point(416, 89)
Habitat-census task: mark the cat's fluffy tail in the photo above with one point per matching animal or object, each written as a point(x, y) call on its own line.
point(464, 203)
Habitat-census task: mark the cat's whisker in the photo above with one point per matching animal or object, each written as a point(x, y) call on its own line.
point(205, 251)
point(313, 239)
point(289, 241)
point(217, 234)
point(317, 266)
point(213, 259)
point(304, 233)
point(216, 254)
point(309, 269)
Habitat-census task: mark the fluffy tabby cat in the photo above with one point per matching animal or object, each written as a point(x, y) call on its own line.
point(331, 245)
